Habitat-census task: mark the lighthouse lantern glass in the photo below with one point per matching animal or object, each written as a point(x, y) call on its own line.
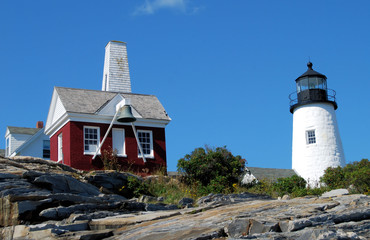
point(311, 83)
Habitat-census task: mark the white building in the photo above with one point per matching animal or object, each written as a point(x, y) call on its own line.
point(316, 140)
point(21, 141)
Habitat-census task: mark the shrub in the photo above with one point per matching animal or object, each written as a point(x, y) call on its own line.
point(110, 160)
point(262, 186)
point(169, 188)
point(355, 176)
point(358, 176)
point(135, 187)
point(212, 169)
point(294, 185)
point(334, 178)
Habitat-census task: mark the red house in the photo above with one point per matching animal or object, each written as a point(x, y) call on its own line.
point(78, 119)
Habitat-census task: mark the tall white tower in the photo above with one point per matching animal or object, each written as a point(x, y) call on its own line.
point(316, 141)
point(116, 76)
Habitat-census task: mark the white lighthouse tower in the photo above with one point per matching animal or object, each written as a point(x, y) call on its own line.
point(316, 141)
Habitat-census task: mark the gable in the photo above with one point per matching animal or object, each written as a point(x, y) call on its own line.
point(109, 109)
point(32, 146)
point(56, 110)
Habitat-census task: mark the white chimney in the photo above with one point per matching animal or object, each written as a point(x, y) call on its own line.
point(116, 77)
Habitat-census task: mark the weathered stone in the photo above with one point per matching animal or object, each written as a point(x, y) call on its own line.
point(59, 213)
point(47, 234)
point(290, 226)
point(58, 183)
point(335, 193)
point(8, 176)
point(159, 207)
point(186, 202)
point(285, 197)
point(20, 231)
point(255, 216)
point(146, 199)
point(230, 198)
point(88, 235)
point(59, 229)
point(112, 181)
point(238, 228)
point(134, 206)
point(88, 216)
point(122, 220)
point(356, 215)
point(259, 227)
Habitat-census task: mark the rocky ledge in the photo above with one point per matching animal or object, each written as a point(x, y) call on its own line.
point(44, 200)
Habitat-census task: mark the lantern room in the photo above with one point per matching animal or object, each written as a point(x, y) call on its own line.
point(311, 87)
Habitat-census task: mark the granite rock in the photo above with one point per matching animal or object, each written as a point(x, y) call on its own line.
point(44, 200)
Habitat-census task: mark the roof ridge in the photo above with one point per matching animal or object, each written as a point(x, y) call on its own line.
point(22, 127)
point(105, 91)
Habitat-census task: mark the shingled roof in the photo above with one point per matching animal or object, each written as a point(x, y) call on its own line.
point(270, 173)
point(23, 130)
point(91, 101)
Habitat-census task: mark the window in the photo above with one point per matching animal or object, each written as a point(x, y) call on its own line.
point(312, 82)
point(60, 148)
point(146, 141)
point(118, 140)
point(322, 83)
point(310, 137)
point(46, 149)
point(7, 147)
point(91, 139)
point(303, 84)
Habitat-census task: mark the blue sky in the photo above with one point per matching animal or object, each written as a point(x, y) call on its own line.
point(222, 69)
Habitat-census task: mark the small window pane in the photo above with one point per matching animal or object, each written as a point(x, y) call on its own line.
point(145, 139)
point(91, 139)
point(310, 137)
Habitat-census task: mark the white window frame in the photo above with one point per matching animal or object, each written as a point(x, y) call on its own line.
point(7, 147)
point(91, 151)
point(60, 148)
point(123, 154)
point(311, 137)
point(144, 145)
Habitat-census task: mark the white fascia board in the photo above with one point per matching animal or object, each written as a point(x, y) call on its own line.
point(78, 117)
point(51, 109)
point(51, 130)
point(7, 132)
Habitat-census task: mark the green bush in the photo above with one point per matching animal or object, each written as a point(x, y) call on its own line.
point(355, 176)
point(334, 178)
point(262, 186)
point(294, 185)
point(135, 187)
point(171, 189)
point(211, 169)
point(358, 175)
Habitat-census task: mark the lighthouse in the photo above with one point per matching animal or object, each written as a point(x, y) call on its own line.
point(316, 140)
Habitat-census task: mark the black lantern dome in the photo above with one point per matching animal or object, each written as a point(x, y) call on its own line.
point(311, 88)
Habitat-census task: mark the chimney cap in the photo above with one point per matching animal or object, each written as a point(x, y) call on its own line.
point(39, 124)
point(115, 41)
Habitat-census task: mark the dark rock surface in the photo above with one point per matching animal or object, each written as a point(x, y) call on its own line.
point(44, 200)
